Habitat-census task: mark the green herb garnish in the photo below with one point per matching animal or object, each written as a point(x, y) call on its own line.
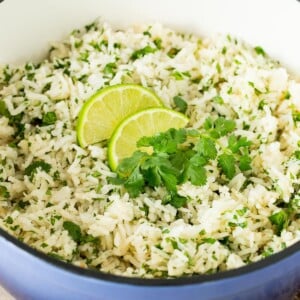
point(180, 104)
point(181, 155)
point(260, 51)
point(73, 230)
point(34, 166)
point(142, 52)
point(49, 118)
point(279, 220)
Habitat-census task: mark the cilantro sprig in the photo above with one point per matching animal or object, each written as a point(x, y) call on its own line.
point(181, 155)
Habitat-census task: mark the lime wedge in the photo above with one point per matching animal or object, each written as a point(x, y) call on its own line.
point(147, 122)
point(101, 114)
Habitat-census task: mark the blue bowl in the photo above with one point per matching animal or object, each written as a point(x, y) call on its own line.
point(29, 274)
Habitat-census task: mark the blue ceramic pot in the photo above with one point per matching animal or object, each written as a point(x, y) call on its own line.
point(25, 29)
point(29, 274)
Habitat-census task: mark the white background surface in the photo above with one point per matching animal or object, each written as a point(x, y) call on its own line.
point(26, 27)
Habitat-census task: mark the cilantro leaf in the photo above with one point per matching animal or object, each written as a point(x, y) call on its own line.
point(245, 162)
point(279, 220)
point(260, 51)
point(127, 165)
point(157, 42)
point(196, 174)
point(34, 166)
point(180, 104)
point(110, 68)
point(206, 147)
point(235, 143)
point(175, 200)
point(173, 52)
point(227, 164)
point(164, 142)
point(3, 192)
point(142, 52)
point(222, 127)
point(199, 160)
point(3, 109)
point(73, 230)
point(49, 118)
point(219, 127)
point(169, 178)
point(208, 123)
point(158, 169)
point(218, 99)
point(178, 201)
point(135, 183)
point(209, 240)
point(181, 159)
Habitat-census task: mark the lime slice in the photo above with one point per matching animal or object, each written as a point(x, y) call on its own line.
point(101, 114)
point(147, 122)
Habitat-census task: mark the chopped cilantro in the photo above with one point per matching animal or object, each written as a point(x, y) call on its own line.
point(147, 33)
point(269, 251)
point(209, 240)
point(256, 90)
point(297, 154)
point(4, 192)
point(22, 204)
point(242, 224)
point(55, 256)
point(261, 104)
point(110, 68)
point(3, 109)
point(46, 87)
point(218, 99)
point(173, 242)
point(260, 51)
point(296, 116)
point(180, 104)
point(157, 42)
point(227, 164)
point(44, 245)
point(177, 75)
point(224, 50)
point(34, 166)
point(49, 118)
point(173, 52)
point(90, 26)
point(206, 147)
point(235, 143)
point(78, 44)
point(279, 220)
point(286, 95)
point(220, 127)
point(9, 220)
point(178, 201)
point(142, 52)
point(73, 230)
point(245, 162)
point(196, 174)
point(165, 141)
point(84, 56)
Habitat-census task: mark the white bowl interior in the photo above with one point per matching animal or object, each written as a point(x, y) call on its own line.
point(27, 27)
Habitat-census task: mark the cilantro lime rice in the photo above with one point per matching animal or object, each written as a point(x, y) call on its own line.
point(237, 202)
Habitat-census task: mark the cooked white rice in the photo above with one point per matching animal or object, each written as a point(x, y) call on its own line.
point(142, 236)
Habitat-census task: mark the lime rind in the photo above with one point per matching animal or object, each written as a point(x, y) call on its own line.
point(113, 159)
point(81, 123)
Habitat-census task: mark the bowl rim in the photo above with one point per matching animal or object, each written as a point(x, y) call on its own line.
point(178, 281)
